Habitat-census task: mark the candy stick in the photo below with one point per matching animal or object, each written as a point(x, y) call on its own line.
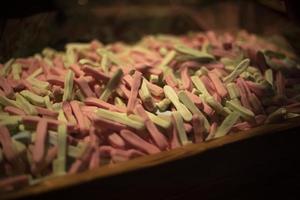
point(193, 52)
point(242, 66)
point(155, 90)
point(68, 85)
point(183, 97)
point(6, 67)
point(39, 146)
point(163, 104)
point(155, 134)
point(67, 109)
point(120, 118)
point(111, 85)
point(180, 128)
point(60, 162)
point(33, 98)
point(199, 85)
point(105, 124)
point(137, 142)
point(16, 71)
point(119, 102)
point(167, 59)
point(153, 78)
point(134, 91)
point(159, 121)
point(198, 128)
point(172, 96)
point(116, 141)
point(79, 116)
point(146, 97)
point(25, 105)
point(215, 105)
point(14, 182)
point(218, 84)
point(227, 124)
point(186, 81)
point(243, 112)
point(39, 84)
point(8, 91)
point(102, 104)
point(276, 116)
point(99, 76)
point(13, 110)
point(84, 87)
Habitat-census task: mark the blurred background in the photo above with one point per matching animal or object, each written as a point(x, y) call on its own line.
point(26, 27)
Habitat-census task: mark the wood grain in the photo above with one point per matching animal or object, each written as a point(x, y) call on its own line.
point(149, 161)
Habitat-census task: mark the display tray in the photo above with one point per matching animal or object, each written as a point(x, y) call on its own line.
point(232, 161)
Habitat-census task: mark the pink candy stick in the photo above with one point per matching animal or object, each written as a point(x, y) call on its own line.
point(7, 145)
point(79, 117)
point(187, 127)
point(57, 71)
point(169, 81)
point(56, 80)
point(82, 162)
point(39, 146)
point(8, 91)
point(125, 91)
point(212, 38)
point(116, 141)
point(256, 88)
point(155, 71)
point(198, 127)
point(208, 84)
point(95, 159)
point(185, 77)
point(58, 62)
point(137, 78)
point(119, 155)
point(50, 156)
point(76, 69)
point(84, 87)
point(107, 124)
point(174, 142)
point(137, 142)
point(11, 183)
point(45, 111)
point(189, 64)
point(243, 92)
point(195, 99)
point(212, 131)
point(155, 89)
point(214, 66)
point(14, 111)
point(17, 85)
point(66, 107)
point(90, 101)
point(207, 109)
point(242, 126)
point(52, 123)
point(255, 104)
point(157, 136)
point(220, 88)
point(99, 76)
point(127, 80)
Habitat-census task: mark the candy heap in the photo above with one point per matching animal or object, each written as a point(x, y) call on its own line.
point(95, 104)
